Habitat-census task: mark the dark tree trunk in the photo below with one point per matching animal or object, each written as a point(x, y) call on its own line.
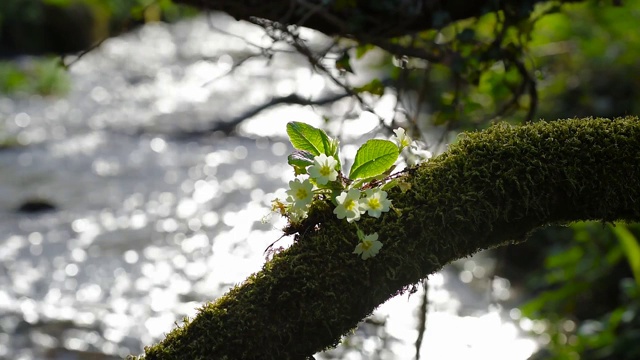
point(491, 188)
point(381, 18)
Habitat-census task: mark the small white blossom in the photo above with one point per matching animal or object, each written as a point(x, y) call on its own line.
point(417, 155)
point(368, 247)
point(324, 169)
point(401, 138)
point(296, 215)
point(375, 202)
point(300, 193)
point(348, 205)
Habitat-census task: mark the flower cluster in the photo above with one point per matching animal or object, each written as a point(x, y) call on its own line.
point(351, 205)
point(354, 196)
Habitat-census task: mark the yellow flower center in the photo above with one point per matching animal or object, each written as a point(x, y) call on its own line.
point(349, 204)
point(366, 245)
point(325, 171)
point(301, 194)
point(374, 203)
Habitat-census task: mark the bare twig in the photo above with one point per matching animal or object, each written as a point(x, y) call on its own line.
point(424, 310)
point(229, 127)
point(79, 56)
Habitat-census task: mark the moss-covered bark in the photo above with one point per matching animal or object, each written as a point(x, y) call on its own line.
point(491, 188)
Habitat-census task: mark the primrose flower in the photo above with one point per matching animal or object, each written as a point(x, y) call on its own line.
point(401, 138)
point(300, 193)
point(375, 202)
point(368, 247)
point(324, 169)
point(348, 205)
point(417, 155)
point(296, 215)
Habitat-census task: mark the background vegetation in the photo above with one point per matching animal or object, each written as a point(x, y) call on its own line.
point(53, 29)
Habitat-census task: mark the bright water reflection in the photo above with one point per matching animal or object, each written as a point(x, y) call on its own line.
point(148, 226)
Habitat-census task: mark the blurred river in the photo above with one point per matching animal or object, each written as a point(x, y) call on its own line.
point(145, 225)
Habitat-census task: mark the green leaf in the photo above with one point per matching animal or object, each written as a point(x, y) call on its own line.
point(631, 248)
point(345, 4)
point(344, 63)
point(566, 258)
point(374, 158)
point(466, 35)
point(300, 159)
point(363, 49)
point(390, 184)
point(441, 117)
point(334, 149)
point(308, 138)
point(297, 170)
point(374, 87)
point(358, 184)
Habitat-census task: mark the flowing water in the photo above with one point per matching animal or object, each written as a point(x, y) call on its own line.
point(143, 225)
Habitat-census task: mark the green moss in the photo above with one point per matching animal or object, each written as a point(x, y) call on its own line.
point(491, 188)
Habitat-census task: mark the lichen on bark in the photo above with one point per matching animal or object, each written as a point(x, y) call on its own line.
point(489, 189)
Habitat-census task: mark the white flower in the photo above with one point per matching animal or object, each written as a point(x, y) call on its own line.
point(368, 247)
point(348, 205)
point(375, 202)
point(296, 215)
point(401, 138)
point(300, 193)
point(417, 155)
point(324, 169)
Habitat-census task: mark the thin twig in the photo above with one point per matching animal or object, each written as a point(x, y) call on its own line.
point(424, 310)
point(79, 56)
point(229, 127)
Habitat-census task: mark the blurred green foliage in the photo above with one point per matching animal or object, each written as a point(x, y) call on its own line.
point(587, 61)
point(53, 27)
point(42, 76)
point(561, 61)
point(588, 296)
point(119, 12)
point(473, 71)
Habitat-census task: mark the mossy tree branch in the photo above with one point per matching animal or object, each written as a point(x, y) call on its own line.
point(489, 189)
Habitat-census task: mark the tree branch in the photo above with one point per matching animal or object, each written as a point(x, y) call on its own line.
point(381, 19)
point(491, 188)
point(229, 126)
